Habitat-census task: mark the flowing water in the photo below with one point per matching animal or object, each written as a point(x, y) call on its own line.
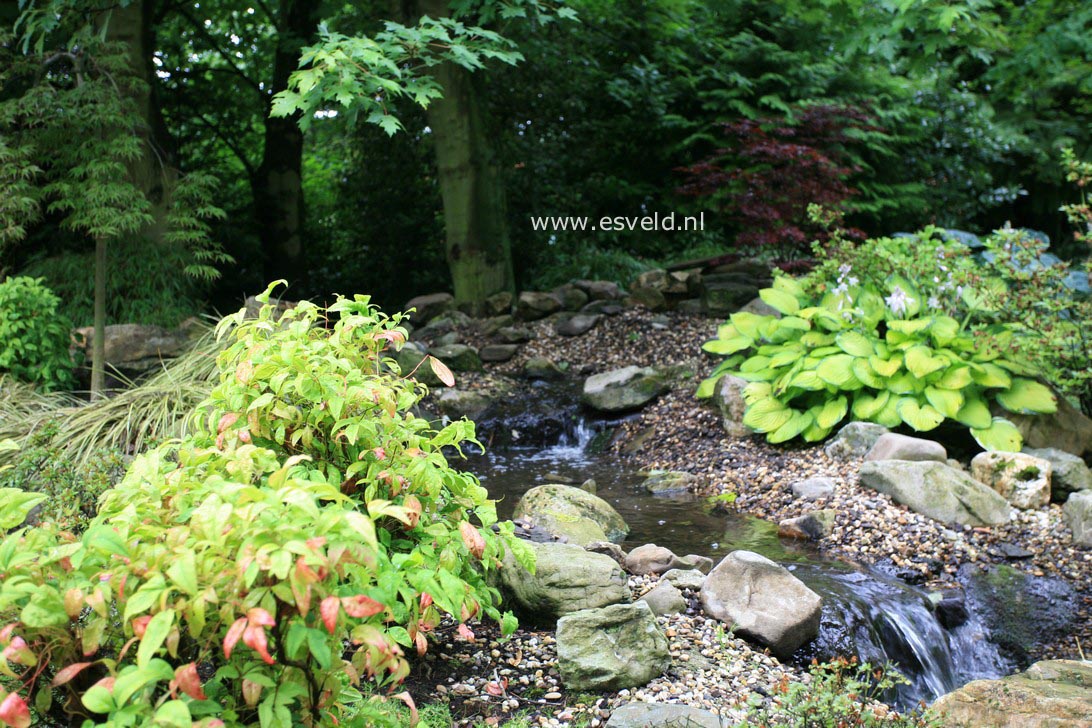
point(875, 617)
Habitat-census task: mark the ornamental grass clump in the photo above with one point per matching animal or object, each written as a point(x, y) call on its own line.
point(265, 568)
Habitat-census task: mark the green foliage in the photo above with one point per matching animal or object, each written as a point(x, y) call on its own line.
point(839, 693)
point(72, 489)
point(884, 352)
point(264, 567)
point(34, 335)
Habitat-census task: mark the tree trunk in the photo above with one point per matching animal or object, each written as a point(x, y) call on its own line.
point(98, 338)
point(278, 182)
point(478, 248)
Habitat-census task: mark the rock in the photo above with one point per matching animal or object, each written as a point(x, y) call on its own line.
point(656, 279)
point(576, 514)
point(1069, 474)
point(650, 559)
point(136, 348)
point(498, 352)
point(611, 648)
point(684, 578)
point(623, 389)
point(854, 440)
point(664, 599)
point(760, 308)
point(661, 715)
point(429, 306)
point(661, 482)
point(607, 308)
point(490, 326)
point(458, 357)
point(499, 303)
point(572, 297)
point(539, 367)
point(952, 611)
point(607, 548)
point(410, 359)
point(762, 601)
point(456, 403)
point(1078, 516)
point(650, 298)
point(812, 526)
point(725, 293)
point(567, 579)
point(589, 486)
point(444, 323)
point(937, 491)
point(446, 339)
point(600, 290)
point(1021, 612)
point(692, 306)
point(893, 446)
point(515, 334)
point(1049, 694)
point(704, 564)
point(579, 324)
point(1023, 480)
point(728, 396)
point(813, 488)
point(1067, 429)
point(533, 305)
point(1013, 552)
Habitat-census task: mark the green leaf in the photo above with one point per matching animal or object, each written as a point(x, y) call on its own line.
point(974, 413)
point(863, 371)
point(15, 505)
point(1026, 396)
point(808, 380)
point(755, 391)
point(815, 433)
point(783, 302)
point(727, 346)
point(888, 415)
point(509, 624)
point(183, 572)
point(914, 326)
point(797, 423)
point(918, 416)
point(944, 330)
point(852, 342)
point(991, 375)
point(707, 388)
point(867, 406)
point(885, 367)
point(832, 413)
point(921, 362)
point(837, 370)
point(946, 401)
point(955, 378)
point(98, 699)
point(751, 325)
point(154, 635)
point(766, 415)
point(173, 714)
point(1001, 435)
point(44, 609)
point(789, 285)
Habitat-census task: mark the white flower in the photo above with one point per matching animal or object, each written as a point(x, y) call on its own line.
point(844, 268)
point(933, 302)
point(853, 280)
point(897, 301)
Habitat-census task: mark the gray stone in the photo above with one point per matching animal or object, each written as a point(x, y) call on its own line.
point(813, 488)
point(492, 325)
point(656, 279)
point(567, 579)
point(725, 293)
point(590, 486)
point(762, 601)
point(499, 303)
point(600, 290)
point(1049, 694)
point(854, 440)
point(429, 306)
point(728, 396)
point(579, 324)
point(459, 357)
point(893, 446)
point(533, 305)
point(607, 308)
point(661, 715)
point(650, 298)
point(573, 513)
point(623, 389)
point(664, 599)
point(515, 334)
point(610, 648)
point(650, 559)
point(760, 308)
point(692, 306)
point(693, 561)
point(661, 482)
point(456, 403)
point(1070, 474)
point(1021, 479)
point(684, 578)
point(136, 348)
point(610, 549)
point(937, 491)
point(410, 360)
point(813, 526)
point(572, 298)
point(498, 352)
point(1078, 516)
point(539, 367)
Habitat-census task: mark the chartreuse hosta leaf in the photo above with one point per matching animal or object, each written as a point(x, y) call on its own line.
point(990, 375)
point(974, 412)
point(832, 412)
point(946, 401)
point(755, 391)
point(1001, 435)
point(766, 415)
point(751, 325)
point(789, 285)
point(921, 362)
point(863, 371)
point(957, 377)
point(795, 426)
point(867, 406)
point(1027, 396)
point(885, 367)
point(785, 303)
point(857, 344)
point(944, 330)
point(888, 416)
point(921, 417)
point(807, 379)
point(815, 433)
point(837, 370)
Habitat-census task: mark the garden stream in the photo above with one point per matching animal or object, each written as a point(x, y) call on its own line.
point(876, 617)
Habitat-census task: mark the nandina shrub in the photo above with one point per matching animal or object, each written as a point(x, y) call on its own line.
point(772, 169)
point(255, 573)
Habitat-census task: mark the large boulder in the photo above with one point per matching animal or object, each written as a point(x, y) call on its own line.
point(854, 440)
point(1049, 694)
point(533, 305)
point(456, 403)
point(1066, 429)
point(661, 715)
point(137, 348)
point(611, 648)
point(429, 306)
point(725, 293)
point(579, 324)
point(663, 482)
point(572, 297)
point(761, 601)
point(600, 290)
point(728, 396)
point(664, 599)
point(1069, 474)
point(813, 526)
point(458, 357)
point(893, 446)
point(652, 559)
point(567, 579)
point(623, 389)
point(573, 513)
point(1022, 479)
point(937, 491)
point(1078, 515)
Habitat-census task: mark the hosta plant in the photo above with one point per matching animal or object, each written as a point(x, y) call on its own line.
point(882, 355)
point(302, 541)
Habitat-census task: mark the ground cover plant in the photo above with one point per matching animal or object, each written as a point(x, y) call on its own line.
point(305, 535)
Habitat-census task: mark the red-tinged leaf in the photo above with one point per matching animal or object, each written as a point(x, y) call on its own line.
point(73, 603)
point(421, 642)
point(140, 625)
point(413, 507)
point(473, 540)
point(244, 371)
point(226, 421)
point(406, 698)
point(302, 595)
point(232, 637)
point(305, 573)
point(380, 453)
point(361, 606)
point(316, 542)
point(254, 637)
point(259, 616)
point(5, 633)
point(252, 691)
point(70, 672)
point(426, 600)
point(189, 681)
point(465, 632)
point(441, 371)
point(494, 688)
point(106, 683)
point(15, 712)
point(19, 652)
point(328, 610)
point(244, 435)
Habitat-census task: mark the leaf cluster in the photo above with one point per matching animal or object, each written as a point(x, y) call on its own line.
point(34, 334)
